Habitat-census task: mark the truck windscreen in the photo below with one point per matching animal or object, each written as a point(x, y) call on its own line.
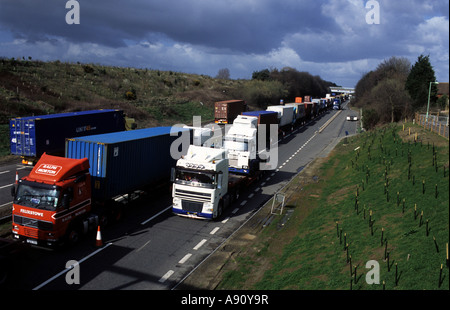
point(37, 197)
point(202, 179)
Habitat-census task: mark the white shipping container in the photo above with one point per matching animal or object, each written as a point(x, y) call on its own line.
point(285, 114)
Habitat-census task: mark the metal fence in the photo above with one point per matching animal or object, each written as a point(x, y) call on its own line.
point(435, 123)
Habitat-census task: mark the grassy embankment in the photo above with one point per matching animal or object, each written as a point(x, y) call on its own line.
point(379, 196)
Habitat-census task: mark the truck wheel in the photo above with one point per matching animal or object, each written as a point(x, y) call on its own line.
point(73, 235)
point(117, 213)
point(219, 210)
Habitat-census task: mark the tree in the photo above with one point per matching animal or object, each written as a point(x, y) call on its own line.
point(262, 75)
point(418, 83)
point(223, 74)
point(381, 93)
point(442, 102)
point(393, 101)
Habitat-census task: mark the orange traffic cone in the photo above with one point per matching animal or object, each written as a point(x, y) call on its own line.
point(98, 241)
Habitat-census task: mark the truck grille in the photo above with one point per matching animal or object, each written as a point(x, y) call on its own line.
point(233, 162)
point(192, 196)
point(33, 223)
point(192, 206)
point(31, 233)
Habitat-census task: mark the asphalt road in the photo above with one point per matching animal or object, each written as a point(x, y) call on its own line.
point(153, 249)
point(7, 180)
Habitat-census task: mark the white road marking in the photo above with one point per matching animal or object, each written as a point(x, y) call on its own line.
point(199, 245)
point(156, 215)
point(5, 204)
point(4, 186)
point(235, 210)
point(185, 258)
point(214, 230)
point(166, 276)
point(70, 267)
point(143, 246)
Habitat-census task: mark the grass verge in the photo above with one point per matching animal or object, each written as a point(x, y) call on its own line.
point(381, 196)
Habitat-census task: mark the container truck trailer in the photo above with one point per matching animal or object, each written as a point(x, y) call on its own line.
point(266, 118)
point(313, 108)
point(299, 112)
point(248, 140)
point(285, 117)
point(337, 104)
point(32, 136)
point(226, 111)
point(64, 197)
point(241, 144)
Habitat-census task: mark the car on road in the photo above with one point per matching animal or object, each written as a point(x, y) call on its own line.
point(352, 117)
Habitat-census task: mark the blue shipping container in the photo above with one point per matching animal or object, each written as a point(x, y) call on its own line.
point(32, 136)
point(123, 162)
point(258, 113)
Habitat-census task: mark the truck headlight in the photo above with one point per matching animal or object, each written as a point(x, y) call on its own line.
point(207, 206)
point(176, 202)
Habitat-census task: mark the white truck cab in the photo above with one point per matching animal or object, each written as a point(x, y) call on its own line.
point(200, 183)
point(241, 143)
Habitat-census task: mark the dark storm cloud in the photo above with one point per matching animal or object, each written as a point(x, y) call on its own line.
point(330, 38)
point(238, 25)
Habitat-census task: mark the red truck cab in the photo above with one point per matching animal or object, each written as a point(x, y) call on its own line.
point(53, 203)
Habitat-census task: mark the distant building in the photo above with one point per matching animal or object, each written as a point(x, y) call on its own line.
point(442, 89)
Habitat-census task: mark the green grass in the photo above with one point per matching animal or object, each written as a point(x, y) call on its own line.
point(180, 112)
point(315, 257)
point(4, 140)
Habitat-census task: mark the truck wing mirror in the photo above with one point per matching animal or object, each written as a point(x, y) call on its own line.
point(66, 200)
point(13, 191)
point(172, 175)
point(80, 178)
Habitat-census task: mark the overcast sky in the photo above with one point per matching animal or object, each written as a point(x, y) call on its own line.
point(330, 38)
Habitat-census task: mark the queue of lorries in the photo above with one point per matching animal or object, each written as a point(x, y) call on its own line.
point(66, 196)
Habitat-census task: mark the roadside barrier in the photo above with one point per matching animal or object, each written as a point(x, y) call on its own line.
point(432, 124)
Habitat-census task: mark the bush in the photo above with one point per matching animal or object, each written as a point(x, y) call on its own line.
point(262, 93)
point(130, 95)
point(370, 118)
point(88, 69)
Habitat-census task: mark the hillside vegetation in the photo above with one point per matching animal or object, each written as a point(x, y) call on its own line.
point(151, 97)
